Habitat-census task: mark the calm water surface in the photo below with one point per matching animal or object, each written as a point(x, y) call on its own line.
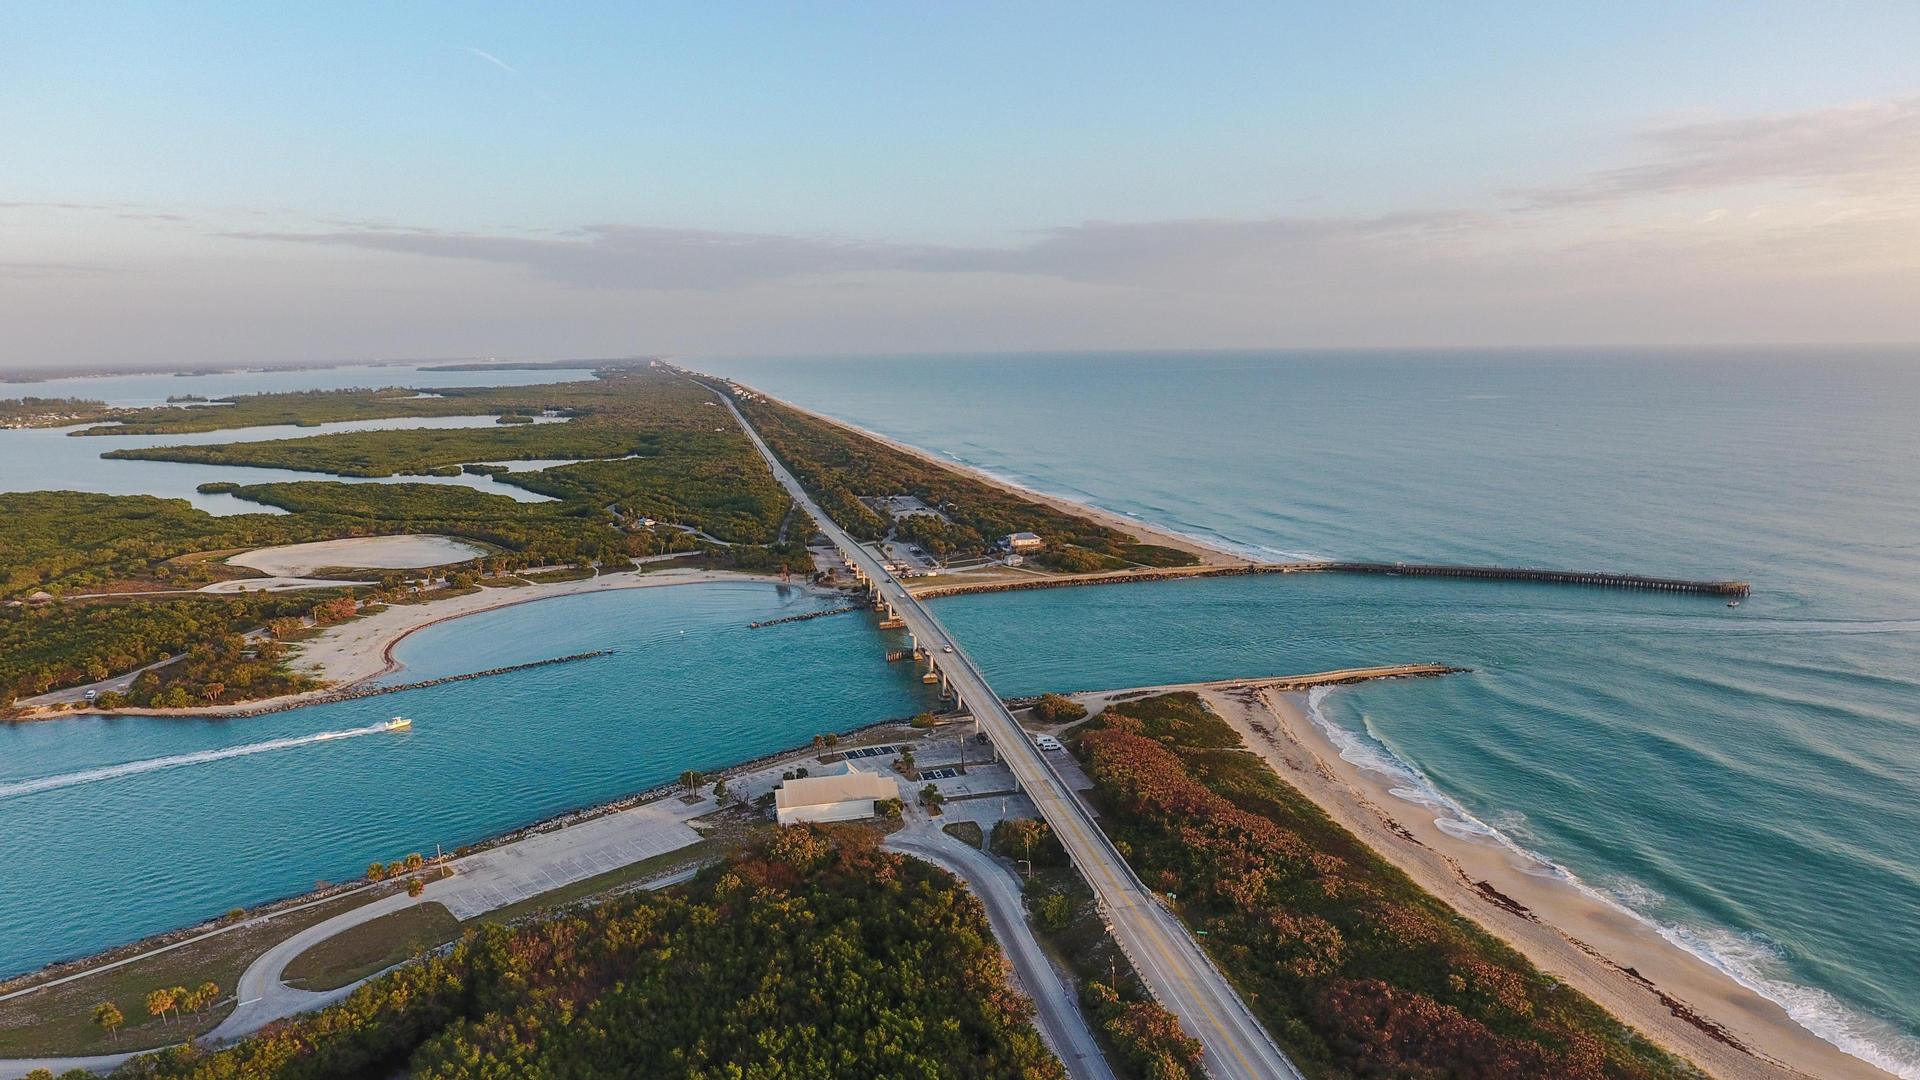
point(33, 458)
point(1748, 779)
point(145, 824)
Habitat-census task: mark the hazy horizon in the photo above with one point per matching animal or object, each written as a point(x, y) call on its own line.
point(1718, 351)
point(205, 186)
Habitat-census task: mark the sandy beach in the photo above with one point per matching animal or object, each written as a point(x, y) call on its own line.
point(1674, 998)
point(350, 653)
point(405, 552)
point(1207, 553)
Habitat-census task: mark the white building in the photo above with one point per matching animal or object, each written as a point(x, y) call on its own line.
point(845, 796)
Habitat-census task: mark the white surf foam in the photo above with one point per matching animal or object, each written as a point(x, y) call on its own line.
point(1746, 959)
point(134, 768)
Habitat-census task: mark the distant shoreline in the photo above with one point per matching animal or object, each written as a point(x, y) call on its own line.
point(1209, 554)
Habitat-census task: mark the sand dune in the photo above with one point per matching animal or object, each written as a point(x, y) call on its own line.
point(360, 552)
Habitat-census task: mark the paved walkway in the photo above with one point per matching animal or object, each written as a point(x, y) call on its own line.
point(481, 882)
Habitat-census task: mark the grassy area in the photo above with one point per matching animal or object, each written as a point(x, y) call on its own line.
point(311, 408)
point(56, 1020)
point(967, 832)
point(373, 947)
point(572, 573)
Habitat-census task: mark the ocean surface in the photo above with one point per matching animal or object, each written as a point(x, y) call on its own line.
point(1748, 778)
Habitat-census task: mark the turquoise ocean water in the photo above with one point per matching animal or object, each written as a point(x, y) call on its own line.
point(1747, 779)
point(114, 828)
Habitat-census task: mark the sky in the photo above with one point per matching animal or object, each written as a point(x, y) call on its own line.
point(268, 183)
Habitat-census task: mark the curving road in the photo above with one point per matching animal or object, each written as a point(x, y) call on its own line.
point(1056, 1013)
point(1180, 975)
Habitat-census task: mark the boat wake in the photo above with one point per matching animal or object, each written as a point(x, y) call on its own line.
point(1747, 960)
point(14, 788)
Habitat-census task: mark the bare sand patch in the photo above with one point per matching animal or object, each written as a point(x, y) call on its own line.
point(359, 552)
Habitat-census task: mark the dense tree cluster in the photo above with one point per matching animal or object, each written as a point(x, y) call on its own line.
point(1027, 839)
point(840, 467)
point(224, 669)
point(409, 452)
point(1357, 971)
point(311, 408)
point(1054, 709)
point(73, 541)
point(44, 411)
point(812, 955)
point(1145, 1037)
point(44, 648)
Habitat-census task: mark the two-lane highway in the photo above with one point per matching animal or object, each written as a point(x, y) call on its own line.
point(1180, 975)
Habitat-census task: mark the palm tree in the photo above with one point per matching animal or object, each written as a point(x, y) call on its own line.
point(107, 1015)
point(204, 997)
point(832, 740)
point(158, 1002)
point(691, 780)
point(819, 741)
point(180, 996)
point(415, 861)
point(375, 871)
point(416, 887)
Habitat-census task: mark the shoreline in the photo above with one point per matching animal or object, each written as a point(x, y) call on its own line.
point(351, 654)
point(1614, 957)
point(894, 729)
point(1210, 554)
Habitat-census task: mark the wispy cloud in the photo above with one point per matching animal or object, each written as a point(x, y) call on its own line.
point(1201, 253)
point(1864, 148)
point(492, 59)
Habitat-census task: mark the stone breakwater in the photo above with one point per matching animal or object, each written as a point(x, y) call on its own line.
point(376, 691)
point(1595, 578)
point(804, 618)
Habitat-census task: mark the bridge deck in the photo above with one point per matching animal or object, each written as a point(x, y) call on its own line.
point(1181, 976)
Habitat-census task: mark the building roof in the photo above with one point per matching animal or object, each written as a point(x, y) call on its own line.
point(825, 790)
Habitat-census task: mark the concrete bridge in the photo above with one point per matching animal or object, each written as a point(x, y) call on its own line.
point(1174, 968)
